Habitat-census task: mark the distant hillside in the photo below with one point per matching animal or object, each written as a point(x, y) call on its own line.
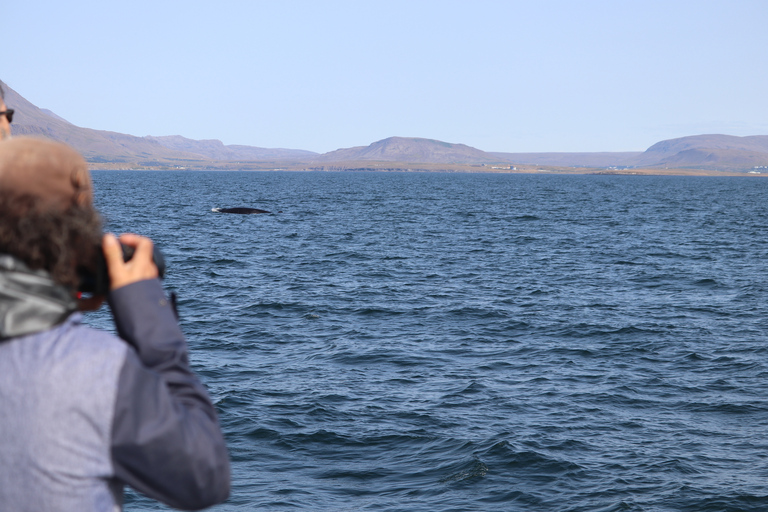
point(216, 150)
point(103, 146)
point(407, 149)
point(712, 151)
point(571, 159)
point(95, 145)
point(117, 150)
point(719, 152)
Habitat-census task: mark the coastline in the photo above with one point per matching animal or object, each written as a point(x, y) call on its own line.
point(382, 166)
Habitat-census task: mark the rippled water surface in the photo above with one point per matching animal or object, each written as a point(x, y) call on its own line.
point(471, 342)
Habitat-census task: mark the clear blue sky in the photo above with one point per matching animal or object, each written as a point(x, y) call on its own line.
point(516, 76)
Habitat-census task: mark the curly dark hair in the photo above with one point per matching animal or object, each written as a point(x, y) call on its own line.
point(64, 243)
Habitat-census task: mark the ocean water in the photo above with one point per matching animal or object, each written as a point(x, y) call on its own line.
point(471, 342)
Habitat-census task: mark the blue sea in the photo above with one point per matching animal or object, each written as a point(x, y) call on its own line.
point(425, 342)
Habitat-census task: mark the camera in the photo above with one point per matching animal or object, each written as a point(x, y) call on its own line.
point(98, 283)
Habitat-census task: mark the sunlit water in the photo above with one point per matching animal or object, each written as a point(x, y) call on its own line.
point(471, 342)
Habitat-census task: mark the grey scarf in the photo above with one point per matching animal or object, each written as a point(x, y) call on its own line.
point(30, 301)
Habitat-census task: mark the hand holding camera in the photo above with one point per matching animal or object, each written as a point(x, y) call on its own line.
point(130, 259)
point(124, 268)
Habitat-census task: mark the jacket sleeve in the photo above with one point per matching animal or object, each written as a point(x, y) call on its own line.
point(166, 439)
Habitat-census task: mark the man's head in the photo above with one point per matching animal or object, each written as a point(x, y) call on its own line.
point(47, 218)
point(5, 125)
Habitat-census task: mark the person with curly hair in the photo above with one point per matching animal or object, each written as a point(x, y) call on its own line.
point(85, 412)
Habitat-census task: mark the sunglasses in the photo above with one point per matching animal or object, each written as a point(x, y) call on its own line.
point(8, 114)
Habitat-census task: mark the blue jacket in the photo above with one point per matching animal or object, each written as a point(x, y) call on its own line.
point(84, 412)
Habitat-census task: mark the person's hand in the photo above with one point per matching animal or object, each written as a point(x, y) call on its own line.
point(139, 268)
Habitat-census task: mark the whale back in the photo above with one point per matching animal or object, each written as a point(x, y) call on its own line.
point(240, 210)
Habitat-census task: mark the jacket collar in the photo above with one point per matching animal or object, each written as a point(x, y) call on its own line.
point(30, 301)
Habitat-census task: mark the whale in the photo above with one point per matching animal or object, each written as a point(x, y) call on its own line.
point(240, 210)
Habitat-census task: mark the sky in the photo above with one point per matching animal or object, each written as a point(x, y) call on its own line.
point(510, 76)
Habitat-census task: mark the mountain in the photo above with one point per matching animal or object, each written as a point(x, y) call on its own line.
point(717, 152)
point(117, 150)
point(410, 149)
point(99, 146)
point(95, 145)
point(605, 159)
point(709, 151)
point(216, 150)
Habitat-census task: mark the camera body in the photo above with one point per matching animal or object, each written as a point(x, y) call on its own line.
point(98, 282)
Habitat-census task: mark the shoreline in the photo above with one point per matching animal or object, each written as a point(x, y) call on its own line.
point(369, 166)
